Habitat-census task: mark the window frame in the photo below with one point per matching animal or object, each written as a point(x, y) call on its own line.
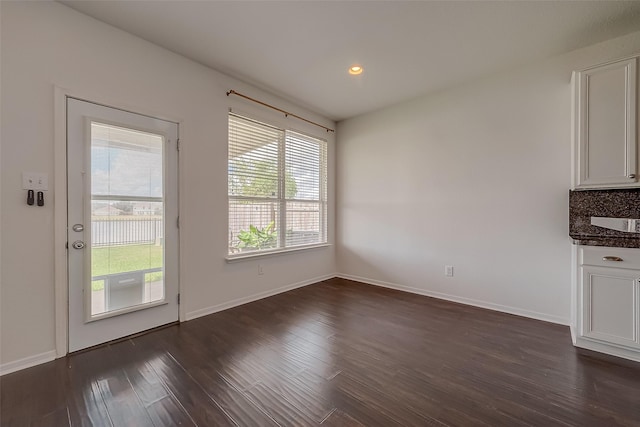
point(281, 200)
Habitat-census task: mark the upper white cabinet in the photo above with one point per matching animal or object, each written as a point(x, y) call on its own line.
point(604, 126)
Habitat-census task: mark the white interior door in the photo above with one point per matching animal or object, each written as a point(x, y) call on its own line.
point(122, 182)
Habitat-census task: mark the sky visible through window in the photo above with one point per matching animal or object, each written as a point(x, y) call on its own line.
point(130, 167)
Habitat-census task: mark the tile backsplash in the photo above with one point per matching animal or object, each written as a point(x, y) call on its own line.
point(603, 203)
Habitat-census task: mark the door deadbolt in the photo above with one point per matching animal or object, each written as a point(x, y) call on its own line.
point(77, 227)
point(78, 244)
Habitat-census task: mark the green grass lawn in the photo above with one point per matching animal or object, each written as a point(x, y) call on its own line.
point(119, 259)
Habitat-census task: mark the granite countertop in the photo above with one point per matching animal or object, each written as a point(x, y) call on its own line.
point(603, 203)
point(613, 242)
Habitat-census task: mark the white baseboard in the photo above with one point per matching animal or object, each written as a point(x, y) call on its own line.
point(27, 362)
point(244, 300)
point(468, 301)
point(610, 349)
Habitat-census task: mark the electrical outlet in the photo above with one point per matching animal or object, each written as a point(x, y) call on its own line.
point(260, 270)
point(448, 270)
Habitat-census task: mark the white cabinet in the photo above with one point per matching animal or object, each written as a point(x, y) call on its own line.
point(608, 301)
point(605, 147)
point(609, 307)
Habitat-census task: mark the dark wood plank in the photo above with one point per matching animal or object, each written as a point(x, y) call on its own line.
point(123, 405)
point(339, 353)
point(205, 371)
point(390, 406)
point(39, 398)
point(160, 405)
point(57, 418)
point(316, 405)
point(339, 419)
point(16, 398)
point(236, 403)
point(280, 409)
point(201, 407)
point(84, 401)
point(49, 397)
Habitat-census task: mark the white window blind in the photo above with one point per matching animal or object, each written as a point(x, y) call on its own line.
point(277, 187)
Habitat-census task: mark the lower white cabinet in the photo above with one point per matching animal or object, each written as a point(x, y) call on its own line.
point(607, 293)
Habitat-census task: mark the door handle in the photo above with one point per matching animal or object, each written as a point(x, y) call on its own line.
point(78, 244)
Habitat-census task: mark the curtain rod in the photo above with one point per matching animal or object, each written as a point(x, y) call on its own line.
point(286, 113)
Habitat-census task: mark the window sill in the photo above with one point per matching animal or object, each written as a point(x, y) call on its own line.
point(253, 255)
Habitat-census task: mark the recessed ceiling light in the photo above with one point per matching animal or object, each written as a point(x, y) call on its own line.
point(354, 70)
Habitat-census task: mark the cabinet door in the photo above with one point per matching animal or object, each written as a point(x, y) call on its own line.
point(606, 146)
point(610, 305)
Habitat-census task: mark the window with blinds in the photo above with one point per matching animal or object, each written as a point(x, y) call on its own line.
point(277, 187)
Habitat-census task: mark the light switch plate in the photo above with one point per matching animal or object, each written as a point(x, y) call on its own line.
point(35, 181)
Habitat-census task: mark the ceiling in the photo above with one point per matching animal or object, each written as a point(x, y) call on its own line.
point(301, 50)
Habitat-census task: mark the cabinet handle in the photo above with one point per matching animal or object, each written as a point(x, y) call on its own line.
point(612, 258)
point(632, 175)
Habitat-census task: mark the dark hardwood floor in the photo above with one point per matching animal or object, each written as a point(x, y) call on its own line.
point(338, 353)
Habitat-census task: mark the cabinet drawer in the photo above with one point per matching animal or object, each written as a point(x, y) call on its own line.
point(608, 257)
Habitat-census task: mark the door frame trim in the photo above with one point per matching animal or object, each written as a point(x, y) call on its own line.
point(60, 252)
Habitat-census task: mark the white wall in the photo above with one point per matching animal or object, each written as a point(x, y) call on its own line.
point(476, 177)
point(46, 44)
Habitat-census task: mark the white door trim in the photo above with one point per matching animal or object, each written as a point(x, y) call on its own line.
point(59, 199)
point(61, 290)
